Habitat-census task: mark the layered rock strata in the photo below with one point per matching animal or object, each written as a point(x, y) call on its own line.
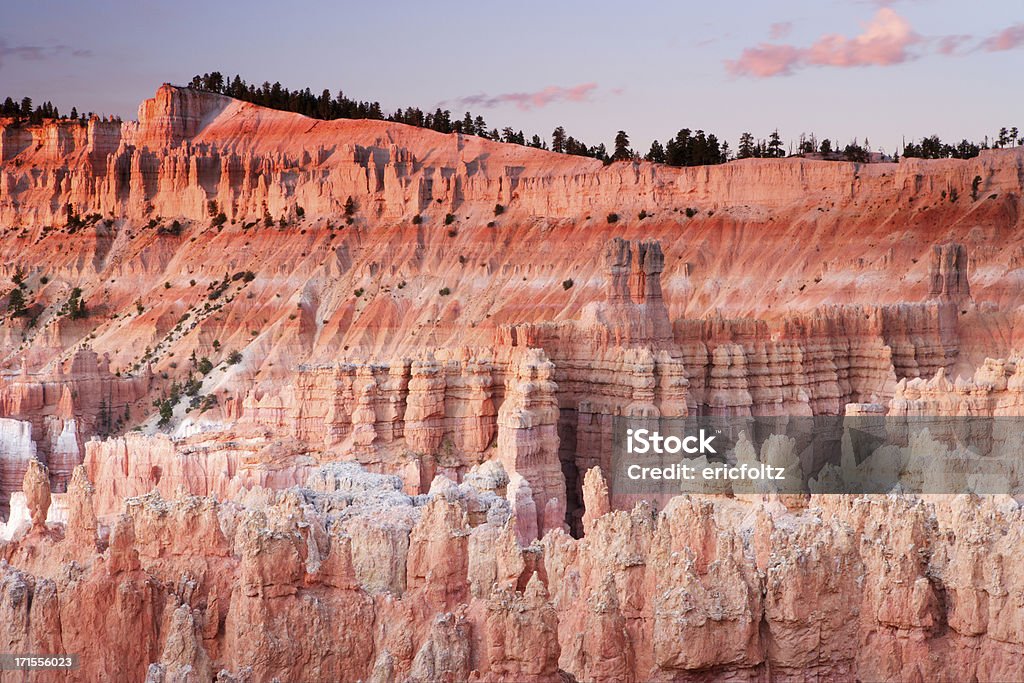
point(280, 586)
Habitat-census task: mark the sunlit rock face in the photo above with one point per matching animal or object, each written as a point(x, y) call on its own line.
point(284, 584)
point(244, 428)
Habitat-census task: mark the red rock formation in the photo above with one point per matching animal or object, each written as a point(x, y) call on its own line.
point(721, 587)
point(528, 440)
point(37, 493)
point(494, 351)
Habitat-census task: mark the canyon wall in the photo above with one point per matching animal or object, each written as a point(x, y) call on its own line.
point(354, 580)
point(342, 393)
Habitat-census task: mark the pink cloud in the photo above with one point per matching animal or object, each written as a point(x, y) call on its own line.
point(780, 29)
point(885, 40)
point(529, 100)
point(765, 60)
point(1007, 39)
point(950, 45)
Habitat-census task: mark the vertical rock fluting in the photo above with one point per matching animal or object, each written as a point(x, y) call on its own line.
point(36, 486)
point(528, 437)
point(735, 588)
point(341, 579)
point(947, 273)
point(17, 450)
point(424, 416)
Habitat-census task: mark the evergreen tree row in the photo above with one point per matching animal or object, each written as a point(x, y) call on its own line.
point(328, 107)
point(23, 110)
point(687, 148)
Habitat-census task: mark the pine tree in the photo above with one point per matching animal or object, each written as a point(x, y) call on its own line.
point(479, 127)
point(657, 153)
point(558, 140)
point(622, 150)
point(775, 145)
point(746, 148)
point(16, 303)
point(103, 418)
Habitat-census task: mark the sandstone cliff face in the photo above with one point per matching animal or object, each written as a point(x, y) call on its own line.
point(256, 333)
point(870, 588)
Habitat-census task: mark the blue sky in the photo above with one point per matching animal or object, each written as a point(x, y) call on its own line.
point(648, 67)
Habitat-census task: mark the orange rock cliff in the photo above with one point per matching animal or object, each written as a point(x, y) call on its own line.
point(333, 400)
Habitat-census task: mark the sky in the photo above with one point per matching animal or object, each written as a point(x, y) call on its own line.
point(842, 69)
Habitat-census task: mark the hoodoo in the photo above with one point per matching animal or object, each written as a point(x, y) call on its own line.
point(311, 400)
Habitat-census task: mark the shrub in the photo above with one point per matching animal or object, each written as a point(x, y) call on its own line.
point(974, 187)
point(359, 292)
point(234, 358)
point(690, 212)
point(350, 206)
point(218, 288)
point(444, 291)
point(219, 220)
point(166, 412)
point(567, 284)
point(192, 386)
point(491, 224)
point(613, 218)
point(642, 215)
point(16, 303)
point(74, 307)
point(498, 209)
point(172, 229)
point(299, 211)
point(417, 219)
point(204, 366)
point(453, 232)
point(449, 218)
